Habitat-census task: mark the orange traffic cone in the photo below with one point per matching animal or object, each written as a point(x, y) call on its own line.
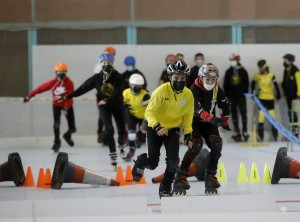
point(120, 176)
point(128, 176)
point(29, 181)
point(41, 178)
point(142, 181)
point(48, 179)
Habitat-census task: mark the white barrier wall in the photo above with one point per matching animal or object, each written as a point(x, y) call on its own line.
point(35, 118)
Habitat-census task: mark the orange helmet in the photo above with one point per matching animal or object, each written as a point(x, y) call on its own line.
point(110, 50)
point(61, 67)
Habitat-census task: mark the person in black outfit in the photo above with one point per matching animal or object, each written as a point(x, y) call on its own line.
point(164, 76)
point(109, 86)
point(207, 95)
point(291, 87)
point(236, 83)
point(199, 61)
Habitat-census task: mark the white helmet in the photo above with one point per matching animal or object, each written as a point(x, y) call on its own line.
point(136, 79)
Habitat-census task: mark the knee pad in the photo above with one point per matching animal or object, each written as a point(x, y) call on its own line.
point(197, 145)
point(172, 165)
point(131, 135)
point(109, 131)
point(216, 146)
point(56, 126)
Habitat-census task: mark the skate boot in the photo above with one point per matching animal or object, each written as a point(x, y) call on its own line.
point(100, 138)
point(122, 151)
point(245, 136)
point(67, 138)
point(113, 159)
point(130, 155)
point(211, 183)
point(56, 145)
point(181, 185)
point(139, 167)
point(237, 138)
point(164, 191)
point(260, 132)
point(295, 131)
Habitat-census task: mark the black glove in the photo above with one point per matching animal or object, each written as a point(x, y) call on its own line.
point(26, 99)
point(216, 121)
point(187, 139)
point(157, 127)
point(226, 127)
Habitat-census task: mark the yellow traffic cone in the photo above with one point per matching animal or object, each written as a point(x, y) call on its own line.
point(267, 175)
point(242, 177)
point(221, 173)
point(254, 176)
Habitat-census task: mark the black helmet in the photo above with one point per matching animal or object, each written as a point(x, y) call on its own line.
point(178, 67)
point(289, 57)
point(262, 63)
point(208, 69)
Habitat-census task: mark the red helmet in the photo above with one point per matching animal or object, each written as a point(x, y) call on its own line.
point(235, 57)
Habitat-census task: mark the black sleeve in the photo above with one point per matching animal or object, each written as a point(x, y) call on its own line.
point(246, 89)
point(85, 87)
point(223, 102)
point(278, 95)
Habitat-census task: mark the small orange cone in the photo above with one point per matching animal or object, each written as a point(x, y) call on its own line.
point(120, 176)
point(48, 179)
point(41, 178)
point(29, 181)
point(128, 176)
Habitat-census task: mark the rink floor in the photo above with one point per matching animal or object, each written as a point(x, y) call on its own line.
point(82, 202)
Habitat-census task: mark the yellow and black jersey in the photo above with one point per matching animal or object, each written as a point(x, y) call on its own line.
point(265, 84)
point(136, 103)
point(171, 109)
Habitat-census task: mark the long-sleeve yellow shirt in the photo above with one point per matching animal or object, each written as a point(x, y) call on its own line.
point(171, 109)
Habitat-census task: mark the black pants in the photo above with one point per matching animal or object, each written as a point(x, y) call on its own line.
point(290, 113)
point(212, 139)
point(240, 103)
point(171, 143)
point(116, 111)
point(70, 119)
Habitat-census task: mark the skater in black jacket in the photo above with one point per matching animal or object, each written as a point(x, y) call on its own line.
point(207, 95)
point(109, 86)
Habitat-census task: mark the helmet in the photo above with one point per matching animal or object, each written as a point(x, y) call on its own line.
point(235, 57)
point(136, 79)
point(289, 57)
point(111, 50)
point(262, 63)
point(61, 67)
point(106, 56)
point(178, 67)
point(208, 69)
point(129, 61)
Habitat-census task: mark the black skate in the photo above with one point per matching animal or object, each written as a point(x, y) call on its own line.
point(246, 137)
point(113, 159)
point(211, 184)
point(181, 185)
point(129, 155)
point(139, 167)
point(122, 151)
point(67, 137)
point(237, 138)
point(56, 146)
point(164, 191)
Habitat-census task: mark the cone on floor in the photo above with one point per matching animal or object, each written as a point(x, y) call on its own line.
point(12, 170)
point(242, 177)
point(68, 172)
point(128, 176)
point(142, 181)
point(285, 166)
point(254, 176)
point(267, 175)
point(120, 176)
point(29, 180)
point(221, 173)
point(47, 179)
point(41, 178)
point(197, 167)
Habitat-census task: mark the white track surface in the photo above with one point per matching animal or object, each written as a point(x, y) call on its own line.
point(80, 202)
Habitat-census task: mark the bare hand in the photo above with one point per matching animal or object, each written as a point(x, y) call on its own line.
point(64, 112)
point(102, 102)
point(162, 132)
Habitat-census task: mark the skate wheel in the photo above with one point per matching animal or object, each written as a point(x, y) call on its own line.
point(179, 192)
point(211, 192)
